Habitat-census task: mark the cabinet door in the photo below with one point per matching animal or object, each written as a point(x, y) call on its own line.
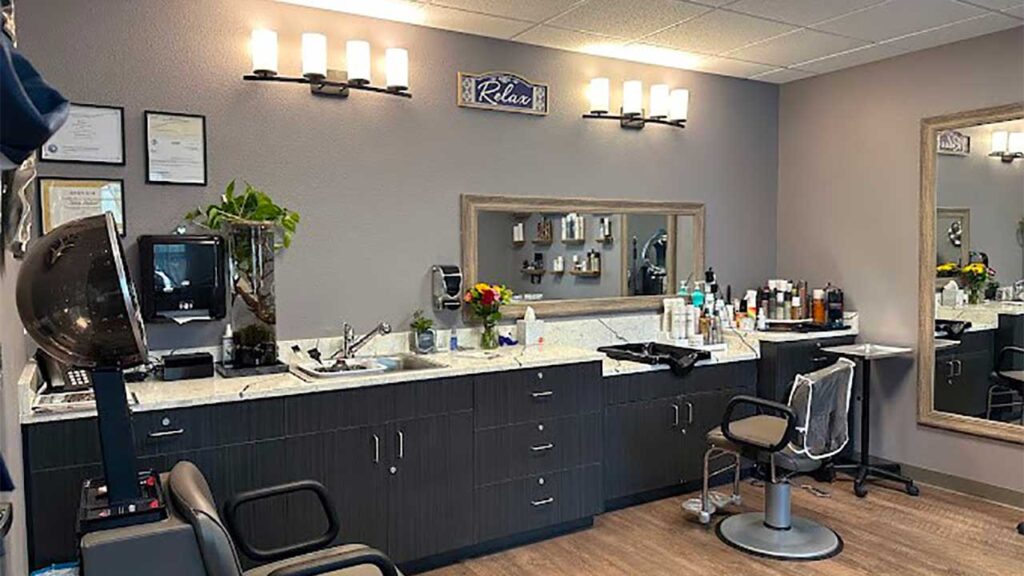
point(644, 447)
point(701, 413)
point(357, 469)
point(430, 485)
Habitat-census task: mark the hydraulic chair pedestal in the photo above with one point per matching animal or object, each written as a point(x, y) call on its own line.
point(776, 534)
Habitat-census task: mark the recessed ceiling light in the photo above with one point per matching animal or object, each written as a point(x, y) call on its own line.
point(647, 54)
point(397, 10)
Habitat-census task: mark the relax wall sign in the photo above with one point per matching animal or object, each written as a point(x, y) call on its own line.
point(502, 91)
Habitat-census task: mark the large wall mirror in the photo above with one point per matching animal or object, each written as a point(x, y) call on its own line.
point(971, 357)
point(577, 256)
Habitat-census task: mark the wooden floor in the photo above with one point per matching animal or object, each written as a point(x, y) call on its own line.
point(888, 532)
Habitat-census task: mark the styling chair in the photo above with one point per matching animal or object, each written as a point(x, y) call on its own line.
point(191, 498)
point(1006, 388)
point(787, 441)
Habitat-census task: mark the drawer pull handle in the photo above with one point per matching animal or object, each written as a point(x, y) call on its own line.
point(542, 447)
point(401, 445)
point(167, 433)
point(675, 415)
point(689, 413)
point(376, 449)
point(544, 502)
point(820, 359)
point(542, 394)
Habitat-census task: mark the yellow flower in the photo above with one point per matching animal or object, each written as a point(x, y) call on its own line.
point(480, 287)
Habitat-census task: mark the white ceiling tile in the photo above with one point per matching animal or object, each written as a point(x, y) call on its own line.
point(718, 32)
point(962, 30)
point(730, 67)
point(533, 10)
point(566, 39)
point(899, 17)
point(800, 12)
point(472, 23)
point(799, 46)
point(849, 59)
point(782, 75)
point(627, 18)
point(995, 4)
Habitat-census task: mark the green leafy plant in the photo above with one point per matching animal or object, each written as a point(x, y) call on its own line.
point(252, 207)
point(420, 323)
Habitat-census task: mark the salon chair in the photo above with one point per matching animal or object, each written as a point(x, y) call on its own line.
point(1007, 382)
point(787, 441)
point(194, 540)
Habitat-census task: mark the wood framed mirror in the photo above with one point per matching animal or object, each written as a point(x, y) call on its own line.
point(569, 256)
point(970, 382)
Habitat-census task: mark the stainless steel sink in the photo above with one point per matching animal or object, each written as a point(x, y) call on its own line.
point(407, 362)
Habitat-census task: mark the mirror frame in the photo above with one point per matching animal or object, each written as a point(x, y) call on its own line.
point(926, 413)
point(473, 204)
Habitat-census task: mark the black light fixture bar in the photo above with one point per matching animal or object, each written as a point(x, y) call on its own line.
point(634, 122)
point(327, 87)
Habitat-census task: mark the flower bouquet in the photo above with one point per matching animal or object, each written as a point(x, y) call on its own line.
point(485, 301)
point(975, 275)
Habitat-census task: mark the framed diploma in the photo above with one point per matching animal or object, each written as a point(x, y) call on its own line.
point(175, 148)
point(92, 135)
point(65, 199)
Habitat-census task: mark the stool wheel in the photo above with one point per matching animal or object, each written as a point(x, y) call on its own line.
point(860, 489)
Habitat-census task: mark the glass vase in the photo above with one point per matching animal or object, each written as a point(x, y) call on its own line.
point(253, 307)
point(489, 338)
point(974, 295)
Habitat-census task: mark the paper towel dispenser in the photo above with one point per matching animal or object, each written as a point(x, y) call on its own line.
point(183, 277)
point(447, 287)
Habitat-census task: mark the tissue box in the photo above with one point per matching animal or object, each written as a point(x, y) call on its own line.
point(529, 332)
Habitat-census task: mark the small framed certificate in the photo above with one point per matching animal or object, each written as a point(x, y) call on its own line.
point(175, 148)
point(62, 200)
point(92, 134)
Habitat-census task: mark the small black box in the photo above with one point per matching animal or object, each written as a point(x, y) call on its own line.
point(188, 366)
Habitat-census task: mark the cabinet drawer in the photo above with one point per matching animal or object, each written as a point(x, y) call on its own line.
point(531, 448)
point(166, 431)
point(647, 386)
point(527, 395)
point(537, 502)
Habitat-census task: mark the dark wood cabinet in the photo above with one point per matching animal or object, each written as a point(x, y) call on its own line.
point(644, 447)
point(962, 374)
point(781, 361)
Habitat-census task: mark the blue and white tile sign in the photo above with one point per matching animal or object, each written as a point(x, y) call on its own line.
point(502, 91)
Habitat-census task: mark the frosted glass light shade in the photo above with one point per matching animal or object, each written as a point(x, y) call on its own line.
point(600, 101)
point(357, 54)
point(1000, 142)
point(264, 52)
point(632, 98)
point(679, 104)
point(659, 101)
point(397, 68)
point(1016, 143)
point(314, 55)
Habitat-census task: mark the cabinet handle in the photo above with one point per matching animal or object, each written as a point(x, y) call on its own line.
point(689, 413)
point(820, 359)
point(542, 447)
point(949, 366)
point(959, 367)
point(401, 445)
point(544, 502)
point(675, 415)
point(540, 375)
point(376, 449)
point(166, 433)
point(542, 394)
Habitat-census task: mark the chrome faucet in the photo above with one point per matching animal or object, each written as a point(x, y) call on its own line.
point(349, 344)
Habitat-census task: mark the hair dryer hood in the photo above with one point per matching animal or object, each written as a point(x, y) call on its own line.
point(76, 299)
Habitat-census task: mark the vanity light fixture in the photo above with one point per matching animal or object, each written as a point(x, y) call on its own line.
point(667, 106)
point(322, 80)
point(1007, 146)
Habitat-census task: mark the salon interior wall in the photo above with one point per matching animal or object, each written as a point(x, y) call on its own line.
point(848, 213)
point(377, 179)
point(12, 359)
point(993, 191)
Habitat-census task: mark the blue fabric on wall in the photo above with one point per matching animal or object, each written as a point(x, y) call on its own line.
point(32, 111)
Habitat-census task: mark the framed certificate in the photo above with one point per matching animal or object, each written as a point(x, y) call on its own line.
point(175, 148)
point(92, 134)
point(65, 199)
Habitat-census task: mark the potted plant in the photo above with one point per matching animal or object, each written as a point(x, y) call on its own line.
point(424, 337)
point(975, 276)
point(485, 301)
point(250, 221)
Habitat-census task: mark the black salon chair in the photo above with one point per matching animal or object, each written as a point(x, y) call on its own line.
point(787, 440)
point(1006, 390)
point(192, 499)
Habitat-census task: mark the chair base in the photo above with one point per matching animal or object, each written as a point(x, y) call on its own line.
point(804, 540)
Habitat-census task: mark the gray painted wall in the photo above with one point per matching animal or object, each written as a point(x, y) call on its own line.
point(848, 213)
point(378, 179)
point(994, 193)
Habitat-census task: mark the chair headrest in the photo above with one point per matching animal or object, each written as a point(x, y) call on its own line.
point(192, 498)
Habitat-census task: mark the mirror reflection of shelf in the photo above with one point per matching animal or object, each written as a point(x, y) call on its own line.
point(573, 241)
point(542, 241)
point(586, 273)
point(573, 229)
point(545, 232)
point(604, 230)
point(518, 234)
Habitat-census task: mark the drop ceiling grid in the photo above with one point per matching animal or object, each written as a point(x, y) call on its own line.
point(768, 40)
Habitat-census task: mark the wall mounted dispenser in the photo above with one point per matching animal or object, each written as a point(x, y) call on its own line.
point(447, 287)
